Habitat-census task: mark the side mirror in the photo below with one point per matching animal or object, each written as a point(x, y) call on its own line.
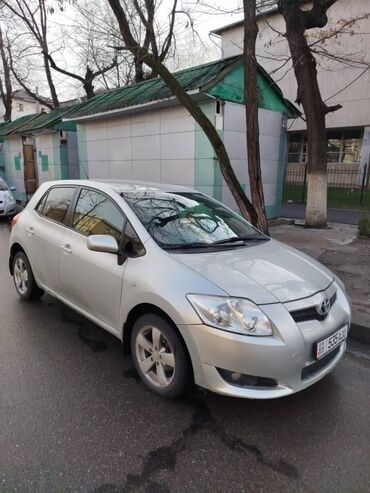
point(102, 243)
point(12, 188)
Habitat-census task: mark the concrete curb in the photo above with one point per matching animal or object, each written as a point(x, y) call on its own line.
point(360, 333)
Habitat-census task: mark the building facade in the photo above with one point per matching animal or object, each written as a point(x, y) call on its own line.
point(342, 50)
point(37, 148)
point(23, 104)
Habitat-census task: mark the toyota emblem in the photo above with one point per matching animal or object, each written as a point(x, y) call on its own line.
point(324, 307)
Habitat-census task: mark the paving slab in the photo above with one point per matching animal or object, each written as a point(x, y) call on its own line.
point(340, 249)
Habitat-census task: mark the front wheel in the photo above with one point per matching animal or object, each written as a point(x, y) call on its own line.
point(24, 280)
point(159, 356)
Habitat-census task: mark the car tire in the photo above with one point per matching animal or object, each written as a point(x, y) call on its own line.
point(159, 356)
point(24, 280)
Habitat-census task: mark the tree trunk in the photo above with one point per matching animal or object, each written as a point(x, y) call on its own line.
point(88, 83)
point(315, 109)
point(245, 206)
point(49, 78)
point(6, 89)
point(139, 70)
point(251, 109)
point(8, 105)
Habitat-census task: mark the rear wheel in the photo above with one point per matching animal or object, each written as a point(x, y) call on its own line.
point(24, 280)
point(159, 356)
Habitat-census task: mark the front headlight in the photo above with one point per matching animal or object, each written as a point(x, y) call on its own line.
point(9, 196)
point(233, 314)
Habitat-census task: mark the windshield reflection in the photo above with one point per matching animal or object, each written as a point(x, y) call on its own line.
point(185, 219)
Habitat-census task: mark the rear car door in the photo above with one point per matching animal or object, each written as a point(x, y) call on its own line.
point(44, 230)
point(91, 280)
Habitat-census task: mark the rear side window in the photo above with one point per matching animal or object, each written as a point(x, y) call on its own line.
point(96, 214)
point(55, 205)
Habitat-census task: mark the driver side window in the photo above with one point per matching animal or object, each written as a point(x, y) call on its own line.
point(96, 214)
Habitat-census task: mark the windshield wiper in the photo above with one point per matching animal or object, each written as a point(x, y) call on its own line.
point(184, 246)
point(236, 239)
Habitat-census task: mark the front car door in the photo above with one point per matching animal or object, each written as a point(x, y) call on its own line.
point(92, 281)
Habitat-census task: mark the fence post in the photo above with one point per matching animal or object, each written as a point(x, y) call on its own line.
point(304, 183)
point(363, 184)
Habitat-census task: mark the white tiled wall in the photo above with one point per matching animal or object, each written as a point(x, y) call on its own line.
point(45, 144)
point(235, 140)
point(149, 146)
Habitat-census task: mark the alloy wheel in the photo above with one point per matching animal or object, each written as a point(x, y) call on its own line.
point(21, 275)
point(155, 356)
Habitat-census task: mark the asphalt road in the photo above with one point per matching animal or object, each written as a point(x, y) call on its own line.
point(74, 417)
point(343, 216)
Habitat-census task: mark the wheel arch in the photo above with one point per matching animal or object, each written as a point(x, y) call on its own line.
point(15, 248)
point(145, 309)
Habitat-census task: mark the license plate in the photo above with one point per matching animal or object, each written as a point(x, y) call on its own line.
point(326, 345)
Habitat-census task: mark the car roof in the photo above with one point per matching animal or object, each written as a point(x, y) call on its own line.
point(122, 186)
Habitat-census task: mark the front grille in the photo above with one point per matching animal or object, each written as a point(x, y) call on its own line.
point(311, 313)
point(310, 370)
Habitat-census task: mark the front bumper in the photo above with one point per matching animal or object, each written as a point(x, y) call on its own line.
point(281, 357)
point(7, 208)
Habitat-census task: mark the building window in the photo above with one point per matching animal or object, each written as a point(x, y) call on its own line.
point(343, 146)
point(20, 107)
point(297, 148)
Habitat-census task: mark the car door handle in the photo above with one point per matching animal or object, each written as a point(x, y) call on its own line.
point(67, 248)
point(30, 231)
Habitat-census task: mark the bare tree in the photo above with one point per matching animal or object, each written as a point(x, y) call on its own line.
point(251, 110)
point(87, 80)
point(6, 89)
point(33, 15)
point(142, 53)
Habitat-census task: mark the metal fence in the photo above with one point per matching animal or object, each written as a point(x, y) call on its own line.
point(347, 187)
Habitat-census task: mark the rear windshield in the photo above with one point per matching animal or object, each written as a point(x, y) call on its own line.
point(180, 219)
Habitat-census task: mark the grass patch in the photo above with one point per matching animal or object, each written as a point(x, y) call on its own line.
point(338, 197)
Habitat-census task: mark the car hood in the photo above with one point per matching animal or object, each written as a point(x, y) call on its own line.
point(265, 272)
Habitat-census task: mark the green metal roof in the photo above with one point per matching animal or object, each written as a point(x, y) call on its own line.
point(202, 77)
point(50, 120)
point(10, 127)
point(152, 90)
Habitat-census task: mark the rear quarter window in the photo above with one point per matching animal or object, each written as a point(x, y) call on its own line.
point(54, 205)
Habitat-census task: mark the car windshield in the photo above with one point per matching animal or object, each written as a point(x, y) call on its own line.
point(178, 220)
point(3, 185)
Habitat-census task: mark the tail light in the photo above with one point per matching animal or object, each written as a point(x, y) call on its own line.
point(15, 219)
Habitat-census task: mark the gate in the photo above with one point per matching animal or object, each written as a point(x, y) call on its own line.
point(30, 177)
point(347, 187)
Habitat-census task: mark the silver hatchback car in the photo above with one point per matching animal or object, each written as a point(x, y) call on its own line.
point(194, 291)
point(7, 201)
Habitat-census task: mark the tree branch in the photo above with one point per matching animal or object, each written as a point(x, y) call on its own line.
point(316, 17)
